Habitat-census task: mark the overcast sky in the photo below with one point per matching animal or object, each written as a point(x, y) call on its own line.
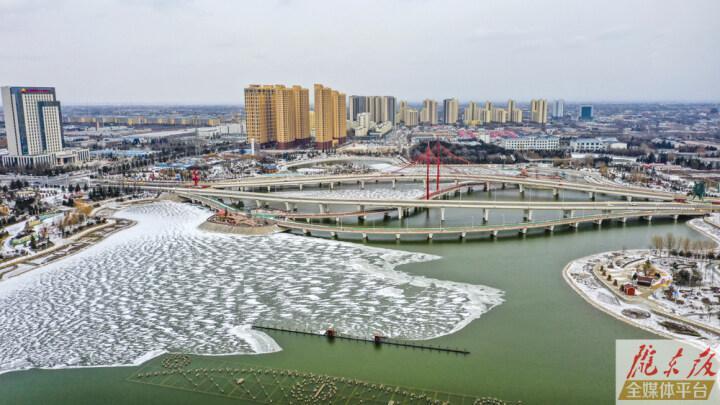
point(198, 51)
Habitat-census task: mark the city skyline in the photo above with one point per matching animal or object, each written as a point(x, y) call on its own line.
point(637, 52)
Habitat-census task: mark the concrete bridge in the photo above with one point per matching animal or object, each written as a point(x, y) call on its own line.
point(344, 158)
point(486, 182)
point(323, 204)
point(463, 232)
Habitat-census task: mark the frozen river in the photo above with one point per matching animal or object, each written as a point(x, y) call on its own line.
point(164, 285)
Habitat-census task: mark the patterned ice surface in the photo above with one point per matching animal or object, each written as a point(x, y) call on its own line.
point(164, 285)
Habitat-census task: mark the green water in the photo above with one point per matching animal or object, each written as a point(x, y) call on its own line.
point(543, 345)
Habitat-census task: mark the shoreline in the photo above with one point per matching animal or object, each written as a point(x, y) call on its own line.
point(79, 243)
point(579, 267)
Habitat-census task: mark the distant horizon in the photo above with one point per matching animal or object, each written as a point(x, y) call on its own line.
point(439, 100)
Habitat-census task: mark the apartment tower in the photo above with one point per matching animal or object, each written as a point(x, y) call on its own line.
point(330, 114)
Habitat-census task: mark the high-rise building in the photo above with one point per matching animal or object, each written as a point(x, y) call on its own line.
point(471, 114)
point(517, 116)
point(510, 108)
point(488, 112)
point(381, 108)
point(428, 114)
point(411, 117)
point(586, 112)
point(500, 115)
point(292, 121)
point(275, 113)
point(538, 111)
point(450, 110)
point(388, 108)
point(356, 105)
point(33, 124)
point(311, 119)
point(260, 113)
point(330, 117)
point(558, 109)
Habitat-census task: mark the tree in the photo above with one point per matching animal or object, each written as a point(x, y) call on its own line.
point(685, 245)
point(670, 242)
point(657, 242)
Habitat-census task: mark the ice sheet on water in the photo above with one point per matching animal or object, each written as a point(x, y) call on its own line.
point(164, 285)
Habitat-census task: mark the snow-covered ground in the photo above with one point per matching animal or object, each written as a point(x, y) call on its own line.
point(579, 275)
point(164, 285)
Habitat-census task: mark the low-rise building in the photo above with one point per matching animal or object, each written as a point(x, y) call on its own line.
point(539, 143)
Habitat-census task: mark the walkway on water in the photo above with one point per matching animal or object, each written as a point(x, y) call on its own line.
point(380, 340)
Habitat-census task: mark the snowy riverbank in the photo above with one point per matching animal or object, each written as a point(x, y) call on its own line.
point(655, 314)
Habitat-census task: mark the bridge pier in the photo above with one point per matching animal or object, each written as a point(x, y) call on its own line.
point(623, 219)
point(556, 192)
point(365, 236)
point(269, 189)
point(628, 198)
point(647, 218)
point(361, 208)
point(394, 181)
point(362, 185)
point(575, 225)
point(494, 234)
point(591, 195)
point(487, 186)
point(301, 186)
point(430, 236)
point(521, 188)
point(306, 232)
point(442, 214)
point(523, 231)
point(598, 222)
point(323, 208)
point(287, 206)
point(550, 229)
point(332, 186)
point(397, 237)
point(337, 219)
point(258, 203)
point(486, 214)
point(333, 235)
point(568, 213)
point(527, 215)
point(463, 235)
point(675, 217)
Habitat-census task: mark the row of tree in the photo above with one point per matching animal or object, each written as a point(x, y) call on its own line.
point(672, 245)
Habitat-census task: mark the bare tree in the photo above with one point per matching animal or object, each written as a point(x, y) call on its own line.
point(670, 242)
point(685, 243)
point(657, 242)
